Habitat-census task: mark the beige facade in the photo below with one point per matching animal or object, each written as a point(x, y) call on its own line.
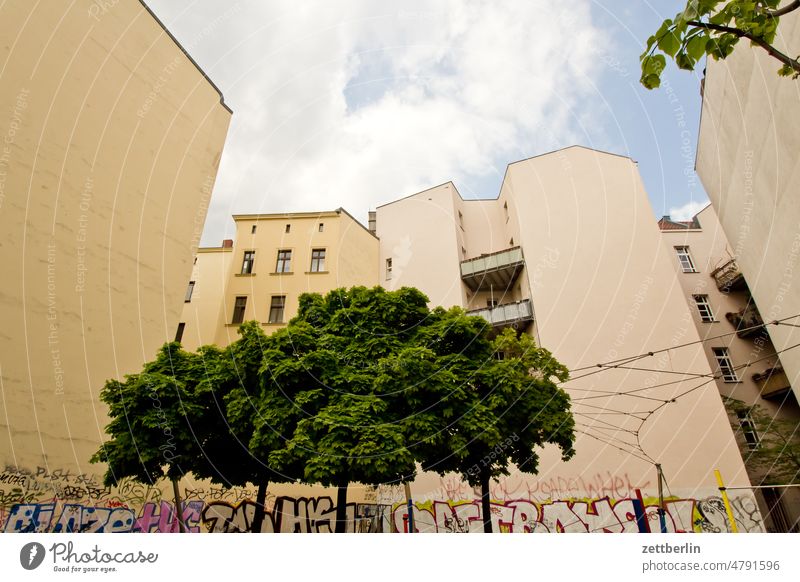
point(110, 141)
point(747, 161)
point(569, 253)
point(272, 261)
point(725, 315)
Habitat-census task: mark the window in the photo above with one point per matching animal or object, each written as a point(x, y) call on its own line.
point(284, 264)
point(317, 260)
point(253, 229)
point(288, 228)
point(247, 262)
point(685, 259)
point(276, 308)
point(179, 333)
point(491, 303)
point(748, 428)
point(321, 227)
point(725, 364)
point(511, 241)
point(388, 269)
point(189, 292)
point(460, 220)
point(238, 310)
point(704, 307)
point(505, 210)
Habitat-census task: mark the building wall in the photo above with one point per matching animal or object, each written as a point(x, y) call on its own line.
point(201, 313)
point(747, 161)
point(709, 249)
point(603, 287)
point(351, 258)
point(111, 139)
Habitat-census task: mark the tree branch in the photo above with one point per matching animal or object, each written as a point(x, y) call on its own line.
point(771, 50)
point(785, 10)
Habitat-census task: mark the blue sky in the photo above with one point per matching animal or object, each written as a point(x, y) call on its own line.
point(355, 103)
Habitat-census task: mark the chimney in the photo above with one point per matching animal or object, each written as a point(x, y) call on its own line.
point(227, 243)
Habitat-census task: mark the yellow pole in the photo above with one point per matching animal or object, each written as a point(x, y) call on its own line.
point(724, 492)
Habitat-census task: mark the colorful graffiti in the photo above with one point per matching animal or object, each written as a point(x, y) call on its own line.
point(290, 515)
point(579, 516)
point(59, 501)
point(77, 518)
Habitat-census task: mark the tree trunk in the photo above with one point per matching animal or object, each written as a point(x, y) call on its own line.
point(261, 499)
point(341, 509)
point(178, 509)
point(486, 506)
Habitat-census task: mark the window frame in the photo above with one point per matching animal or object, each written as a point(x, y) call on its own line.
point(725, 365)
point(283, 261)
point(179, 332)
point(248, 262)
point(389, 269)
point(275, 308)
point(748, 428)
point(318, 261)
point(189, 292)
point(685, 259)
point(236, 308)
point(702, 302)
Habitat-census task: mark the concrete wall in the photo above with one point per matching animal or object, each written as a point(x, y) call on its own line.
point(747, 161)
point(201, 314)
point(111, 139)
point(603, 287)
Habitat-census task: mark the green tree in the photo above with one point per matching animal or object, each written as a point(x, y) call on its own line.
point(325, 368)
point(151, 430)
point(777, 454)
point(475, 405)
point(712, 27)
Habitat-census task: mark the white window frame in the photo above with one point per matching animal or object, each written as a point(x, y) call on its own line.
point(725, 365)
point(748, 427)
point(189, 292)
point(704, 308)
point(685, 259)
point(389, 269)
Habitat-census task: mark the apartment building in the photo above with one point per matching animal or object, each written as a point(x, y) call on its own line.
point(747, 161)
point(261, 274)
point(569, 253)
point(738, 347)
point(111, 140)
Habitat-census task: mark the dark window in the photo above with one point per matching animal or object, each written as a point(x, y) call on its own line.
point(748, 428)
point(238, 309)
point(276, 308)
point(253, 229)
point(247, 262)
point(189, 292)
point(725, 364)
point(491, 303)
point(317, 260)
point(321, 227)
point(284, 264)
point(288, 228)
point(179, 333)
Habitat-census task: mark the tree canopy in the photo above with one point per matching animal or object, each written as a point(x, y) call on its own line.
point(714, 28)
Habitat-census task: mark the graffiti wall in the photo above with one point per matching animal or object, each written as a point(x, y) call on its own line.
point(61, 502)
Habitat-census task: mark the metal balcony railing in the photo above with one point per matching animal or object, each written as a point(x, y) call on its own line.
point(517, 315)
point(773, 382)
point(746, 321)
point(729, 277)
point(496, 271)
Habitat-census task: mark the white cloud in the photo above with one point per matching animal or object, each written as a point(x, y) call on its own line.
point(356, 103)
point(687, 211)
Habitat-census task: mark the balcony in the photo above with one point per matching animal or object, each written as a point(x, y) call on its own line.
point(747, 321)
point(496, 271)
point(773, 383)
point(729, 277)
point(517, 315)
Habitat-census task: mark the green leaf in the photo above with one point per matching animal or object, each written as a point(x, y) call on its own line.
point(696, 46)
point(669, 43)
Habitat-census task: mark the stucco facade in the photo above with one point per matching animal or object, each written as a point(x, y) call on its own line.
point(326, 250)
point(725, 315)
point(601, 287)
point(111, 139)
point(747, 161)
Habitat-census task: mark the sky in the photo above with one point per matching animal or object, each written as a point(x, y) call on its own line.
point(356, 103)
